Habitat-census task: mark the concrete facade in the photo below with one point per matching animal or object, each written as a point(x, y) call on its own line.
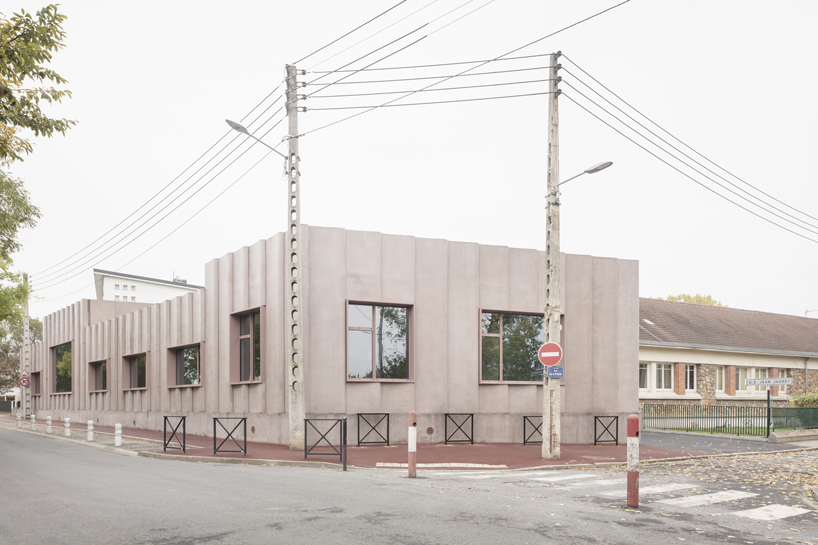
point(444, 284)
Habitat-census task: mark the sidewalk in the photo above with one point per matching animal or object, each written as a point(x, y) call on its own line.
point(461, 456)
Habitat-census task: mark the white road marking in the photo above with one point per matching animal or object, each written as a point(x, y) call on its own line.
point(598, 482)
point(705, 499)
point(771, 512)
point(659, 489)
point(558, 478)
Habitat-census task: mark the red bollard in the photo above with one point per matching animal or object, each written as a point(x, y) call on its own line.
point(633, 461)
point(413, 443)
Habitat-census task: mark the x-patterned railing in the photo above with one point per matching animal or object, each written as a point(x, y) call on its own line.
point(241, 421)
point(341, 451)
point(467, 418)
point(370, 427)
point(606, 429)
point(174, 433)
point(536, 429)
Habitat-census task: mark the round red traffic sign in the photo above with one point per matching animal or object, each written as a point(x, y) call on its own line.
point(550, 354)
point(24, 382)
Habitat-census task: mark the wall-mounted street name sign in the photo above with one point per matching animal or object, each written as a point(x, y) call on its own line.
point(769, 381)
point(555, 371)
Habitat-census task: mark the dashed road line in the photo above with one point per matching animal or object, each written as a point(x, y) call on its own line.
point(771, 512)
point(706, 499)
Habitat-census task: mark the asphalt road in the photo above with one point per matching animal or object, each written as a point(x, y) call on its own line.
point(69, 493)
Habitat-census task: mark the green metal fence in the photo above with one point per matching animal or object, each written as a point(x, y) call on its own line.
point(732, 420)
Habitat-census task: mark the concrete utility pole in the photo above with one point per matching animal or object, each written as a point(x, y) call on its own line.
point(551, 386)
point(295, 329)
point(25, 357)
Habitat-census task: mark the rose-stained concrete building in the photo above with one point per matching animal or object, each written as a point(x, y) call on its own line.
point(447, 326)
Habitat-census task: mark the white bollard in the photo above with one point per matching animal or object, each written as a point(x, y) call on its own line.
point(68, 427)
point(118, 435)
point(19, 422)
point(48, 424)
point(90, 430)
point(33, 423)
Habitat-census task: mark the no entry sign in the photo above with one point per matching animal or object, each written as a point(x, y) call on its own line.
point(550, 354)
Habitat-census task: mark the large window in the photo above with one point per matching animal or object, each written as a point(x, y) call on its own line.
point(761, 373)
point(377, 342)
point(784, 373)
point(664, 376)
point(188, 367)
point(720, 378)
point(250, 347)
point(35, 383)
point(136, 372)
point(62, 368)
point(98, 376)
point(690, 377)
point(741, 379)
point(508, 347)
point(643, 376)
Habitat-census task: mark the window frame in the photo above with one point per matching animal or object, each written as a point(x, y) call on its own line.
point(410, 330)
point(92, 375)
point(746, 389)
point(784, 372)
point(127, 361)
point(756, 372)
point(658, 373)
point(647, 367)
point(721, 370)
point(36, 383)
point(173, 362)
point(235, 346)
point(688, 368)
point(54, 368)
point(499, 336)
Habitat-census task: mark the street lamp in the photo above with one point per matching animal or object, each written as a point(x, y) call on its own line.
point(242, 129)
point(590, 170)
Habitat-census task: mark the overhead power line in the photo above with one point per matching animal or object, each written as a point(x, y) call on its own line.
point(420, 78)
point(685, 174)
point(322, 127)
point(169, 184)
point(432, 102)
point(681, 142)
point(97, 258)
point(348, 33)
point(434, 90)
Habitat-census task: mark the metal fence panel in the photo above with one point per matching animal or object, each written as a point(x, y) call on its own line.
point(726, 419)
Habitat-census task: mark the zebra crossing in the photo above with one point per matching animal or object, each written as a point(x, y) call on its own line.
point(613, 488)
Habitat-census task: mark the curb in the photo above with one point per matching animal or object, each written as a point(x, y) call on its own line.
point(245, 461)
point(108, 448)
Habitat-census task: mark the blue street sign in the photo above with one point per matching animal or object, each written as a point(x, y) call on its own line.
point(555, 372)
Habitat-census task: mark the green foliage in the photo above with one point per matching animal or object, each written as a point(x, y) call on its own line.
point(522, 337)
point(16, 212)
point(13, 294)
point(693, 299)
point(392, 355)
point(810, 400)
point(11, 342)
point(63, 355)
point(26, 45)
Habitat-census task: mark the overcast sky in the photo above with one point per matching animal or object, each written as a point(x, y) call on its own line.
point(152, 83)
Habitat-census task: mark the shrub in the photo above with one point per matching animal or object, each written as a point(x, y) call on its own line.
point(810, 400)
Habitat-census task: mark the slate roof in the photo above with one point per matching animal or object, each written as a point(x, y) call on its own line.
point(665, 323)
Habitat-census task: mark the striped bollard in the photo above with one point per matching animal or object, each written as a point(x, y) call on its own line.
point(33, 423)
point(118, 435)
point(48, 424)
point(90, 431)
point(19, 421)
point(633, 461)
point(68, 427)
point(413, 444)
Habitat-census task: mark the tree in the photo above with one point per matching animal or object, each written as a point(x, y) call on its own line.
point(26, 45)
point(693, 299)
point(11, 342)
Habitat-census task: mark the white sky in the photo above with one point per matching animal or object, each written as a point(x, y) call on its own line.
point(154, 81)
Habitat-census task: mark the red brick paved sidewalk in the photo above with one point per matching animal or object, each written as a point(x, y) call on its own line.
point(512, 456)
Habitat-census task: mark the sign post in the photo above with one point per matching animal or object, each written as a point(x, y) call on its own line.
point(769, 382)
